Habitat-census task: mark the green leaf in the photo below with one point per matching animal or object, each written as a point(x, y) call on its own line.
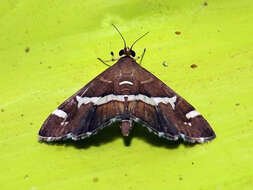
point(49, 50)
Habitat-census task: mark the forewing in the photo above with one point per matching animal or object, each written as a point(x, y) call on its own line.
point(77, 116)
point(63, 121)
point(173, 116)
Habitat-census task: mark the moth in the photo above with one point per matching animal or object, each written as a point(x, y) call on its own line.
point(126, 93)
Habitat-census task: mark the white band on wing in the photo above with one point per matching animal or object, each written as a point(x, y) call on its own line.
point(154, 101)
point(60, 113)
point(192, 114)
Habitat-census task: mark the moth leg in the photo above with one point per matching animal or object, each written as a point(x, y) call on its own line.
point(142, 55)
point(104, 61)
point(110, 60)
point(137, 58)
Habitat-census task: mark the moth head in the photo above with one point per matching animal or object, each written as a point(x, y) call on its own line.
point(127, 52)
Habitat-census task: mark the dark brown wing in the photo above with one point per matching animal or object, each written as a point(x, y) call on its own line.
point(73, 119)
point(151, 117)
point(171, 119)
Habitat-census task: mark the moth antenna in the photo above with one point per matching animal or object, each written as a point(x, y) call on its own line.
point(120, 35)
point(138, 40)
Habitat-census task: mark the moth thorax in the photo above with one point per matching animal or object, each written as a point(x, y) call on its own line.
point(126, 126)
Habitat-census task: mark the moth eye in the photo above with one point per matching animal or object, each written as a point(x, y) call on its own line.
point(121, 52)
point(132, 53)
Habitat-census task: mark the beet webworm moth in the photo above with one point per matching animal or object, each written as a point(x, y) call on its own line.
point(126, 93)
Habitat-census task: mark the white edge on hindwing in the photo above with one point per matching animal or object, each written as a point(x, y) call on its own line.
point(113, 120)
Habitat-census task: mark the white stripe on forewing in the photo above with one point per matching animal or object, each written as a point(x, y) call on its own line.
point(192, 114)
point(171, 100)
point(85, 100)
point(154, 101)
point(60, 113)
point(126, 82)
